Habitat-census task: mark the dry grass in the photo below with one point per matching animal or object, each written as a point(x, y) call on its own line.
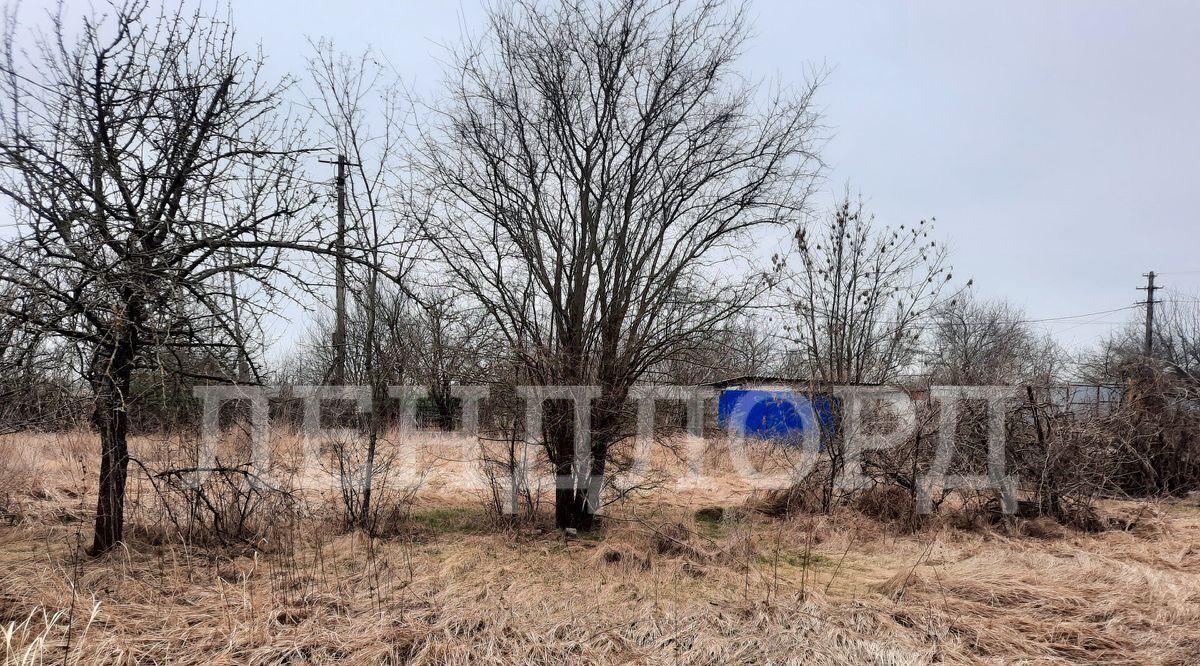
point(664, 583)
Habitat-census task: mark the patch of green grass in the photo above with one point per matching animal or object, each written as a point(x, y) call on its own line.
point(714, 522)
point(459, 520)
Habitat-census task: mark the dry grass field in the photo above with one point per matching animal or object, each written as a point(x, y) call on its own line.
point(690, 578)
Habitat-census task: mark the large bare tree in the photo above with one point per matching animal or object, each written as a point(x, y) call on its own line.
point(152, 174)
point(599, 169)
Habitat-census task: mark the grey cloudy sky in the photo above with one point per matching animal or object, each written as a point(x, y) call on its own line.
point(1054, 141)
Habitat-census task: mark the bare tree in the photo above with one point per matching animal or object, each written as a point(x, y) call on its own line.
point(596, 165)
point(1177, 333)
point(974, 342)
point(1176, 338)
point(862, 296)
point(451, 343)
point(149, 165)
point(739, 347)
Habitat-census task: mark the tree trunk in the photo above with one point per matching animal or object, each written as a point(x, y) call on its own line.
point(570, 502)
point(572, 506)
point(111, 420)
point(444, 403)
point(607, 415)
point(560, 429)
point(585, 513)
point(112, 371)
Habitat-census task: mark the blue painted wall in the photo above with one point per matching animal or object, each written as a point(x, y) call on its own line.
point(783, 415)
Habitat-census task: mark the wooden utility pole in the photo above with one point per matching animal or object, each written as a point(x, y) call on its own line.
point(339, 323)
point(339, 327)
point(1148, 348)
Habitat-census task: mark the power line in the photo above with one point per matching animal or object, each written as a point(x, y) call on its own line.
point(989, 321)
point(1078, 316)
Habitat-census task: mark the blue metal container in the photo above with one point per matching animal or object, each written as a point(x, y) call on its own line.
point(776, 414)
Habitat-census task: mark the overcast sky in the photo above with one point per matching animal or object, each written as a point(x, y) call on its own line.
point(1054, 141)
